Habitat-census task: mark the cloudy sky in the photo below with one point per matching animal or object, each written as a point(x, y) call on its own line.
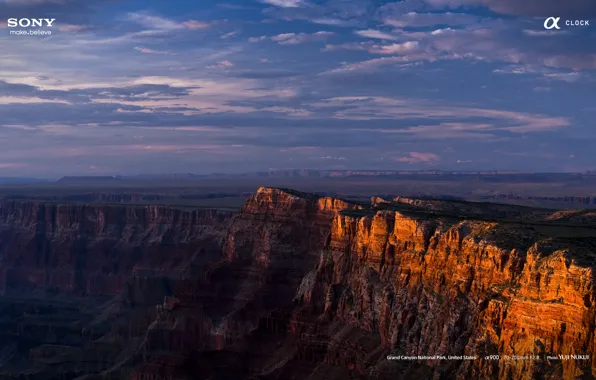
point(147, 86)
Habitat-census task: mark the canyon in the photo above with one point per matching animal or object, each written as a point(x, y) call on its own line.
point(296, 286)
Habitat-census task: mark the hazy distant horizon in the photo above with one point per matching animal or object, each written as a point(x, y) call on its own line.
point(214, 174)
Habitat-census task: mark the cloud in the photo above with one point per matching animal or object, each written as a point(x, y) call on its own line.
point(385, 83)
point(71, 27)
point(533, 8)
point(195, 25)
point(150, 51)
point(332, 12)
point(131, 93)
point(159, 23)
point(335, 22)
point(153, 22)
point(379, 108)
point(377, 64)
point(418, 157)
point(545, 33)
point(157, 101)
point(284, 3)
point(413, 19)
point(358, 46)
point(292, 38)
point(489, 44)
point(295, 38)
point(545, 72)
point(565, 77)
point(493, 41)
point(403, 48)
point(5, 165)
point(536, 8)
point(152, 100)
point(371, 33)
point(441, 131)
point(228, 35)
point(257, 39)
point(265, 74)
point(221, 65)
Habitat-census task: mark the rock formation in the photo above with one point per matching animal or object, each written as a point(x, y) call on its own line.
point(95, 249)
point(299, 286)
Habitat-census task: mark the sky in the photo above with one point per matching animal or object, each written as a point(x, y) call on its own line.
point(139, 87)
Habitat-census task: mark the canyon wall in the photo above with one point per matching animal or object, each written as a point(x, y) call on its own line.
point(275, 240)
point(428, 285)
point(299, 286)
point(96, 249)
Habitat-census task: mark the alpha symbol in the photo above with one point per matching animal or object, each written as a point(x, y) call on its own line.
point(552, 22)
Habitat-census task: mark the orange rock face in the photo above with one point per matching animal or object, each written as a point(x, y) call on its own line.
point(439, 284)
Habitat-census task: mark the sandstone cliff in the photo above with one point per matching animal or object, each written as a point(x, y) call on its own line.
point(403, 277)
point(95, 249)
point(299, 286)
point(270, 246)
point(521, 284)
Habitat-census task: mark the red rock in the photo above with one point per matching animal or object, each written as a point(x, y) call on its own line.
point(298, 285)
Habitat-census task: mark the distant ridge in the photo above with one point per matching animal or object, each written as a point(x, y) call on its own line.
point(487, 175)
point(94, 179)
point(290, 173)
point(18, 180)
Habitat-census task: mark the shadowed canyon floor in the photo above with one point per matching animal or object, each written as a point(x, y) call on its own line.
point(296, 286)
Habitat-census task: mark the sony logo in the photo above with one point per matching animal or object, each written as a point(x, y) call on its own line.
point(27, 22)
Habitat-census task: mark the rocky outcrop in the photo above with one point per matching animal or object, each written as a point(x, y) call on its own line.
point(450, 285)
point(402, 277)
point(270, 246)
point(122, 259)
point(96, 249)
point(302, 286)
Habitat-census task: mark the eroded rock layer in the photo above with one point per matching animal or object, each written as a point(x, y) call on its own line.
point(95, 249)
point(298, 286)
point(451, 286)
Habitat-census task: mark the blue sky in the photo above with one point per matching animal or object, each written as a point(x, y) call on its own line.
point(124, 87)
